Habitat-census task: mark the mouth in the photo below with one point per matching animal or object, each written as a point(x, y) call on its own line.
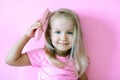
point(64, 43)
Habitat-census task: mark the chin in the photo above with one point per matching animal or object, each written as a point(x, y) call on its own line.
point(63, 50)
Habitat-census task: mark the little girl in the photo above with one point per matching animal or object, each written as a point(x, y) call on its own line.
point(63, 57)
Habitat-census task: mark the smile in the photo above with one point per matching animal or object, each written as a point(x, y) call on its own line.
point(64, 43)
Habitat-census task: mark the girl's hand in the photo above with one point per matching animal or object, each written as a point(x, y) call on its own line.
point(36, 26)
point(39, 26)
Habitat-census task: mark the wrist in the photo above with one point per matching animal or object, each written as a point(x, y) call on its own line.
point(27, 36)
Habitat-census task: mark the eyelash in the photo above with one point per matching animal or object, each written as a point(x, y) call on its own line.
point(58, 32)
point(69, 32)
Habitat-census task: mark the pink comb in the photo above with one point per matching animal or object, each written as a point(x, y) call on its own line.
point(46, 14)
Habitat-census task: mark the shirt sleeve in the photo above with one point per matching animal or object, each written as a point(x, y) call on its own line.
point(36, 57)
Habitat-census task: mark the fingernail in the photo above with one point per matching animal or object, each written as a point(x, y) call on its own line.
point(39, 20)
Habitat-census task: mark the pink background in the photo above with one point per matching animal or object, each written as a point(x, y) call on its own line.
point(100, 21)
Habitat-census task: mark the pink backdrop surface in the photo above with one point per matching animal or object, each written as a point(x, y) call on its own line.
point(100, 21)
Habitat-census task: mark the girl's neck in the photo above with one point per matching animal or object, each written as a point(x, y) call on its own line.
point(57, 52)
point(61, 53)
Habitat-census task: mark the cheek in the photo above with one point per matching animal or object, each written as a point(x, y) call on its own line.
point(70, 38)
point(54, 38)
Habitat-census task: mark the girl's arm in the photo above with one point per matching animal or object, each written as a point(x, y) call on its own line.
point(15, 56)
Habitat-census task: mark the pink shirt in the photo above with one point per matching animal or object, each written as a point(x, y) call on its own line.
point(48, 71)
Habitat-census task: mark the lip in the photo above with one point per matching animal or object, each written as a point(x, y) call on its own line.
point(64, 43)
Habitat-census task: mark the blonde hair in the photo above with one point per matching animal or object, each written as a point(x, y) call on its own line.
point(77, 52)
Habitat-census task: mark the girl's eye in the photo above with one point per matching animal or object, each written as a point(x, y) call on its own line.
point(69, 32)
point(57, 32)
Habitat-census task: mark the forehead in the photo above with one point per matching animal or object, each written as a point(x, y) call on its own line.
point(64, 23)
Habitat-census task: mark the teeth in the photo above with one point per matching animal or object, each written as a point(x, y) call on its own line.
point(65, 43)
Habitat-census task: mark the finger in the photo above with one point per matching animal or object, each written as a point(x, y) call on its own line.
point(39, 20)
point(38, 34)
point(37, 24)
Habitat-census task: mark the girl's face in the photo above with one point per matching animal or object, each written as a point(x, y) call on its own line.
point(61, 34)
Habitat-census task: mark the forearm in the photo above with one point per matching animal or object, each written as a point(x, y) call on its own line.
point(16, 51)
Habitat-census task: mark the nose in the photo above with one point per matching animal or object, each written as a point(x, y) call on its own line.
point(63, 37)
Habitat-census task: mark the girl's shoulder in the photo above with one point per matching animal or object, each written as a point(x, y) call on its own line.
point(37, 56)
point(37, 52)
